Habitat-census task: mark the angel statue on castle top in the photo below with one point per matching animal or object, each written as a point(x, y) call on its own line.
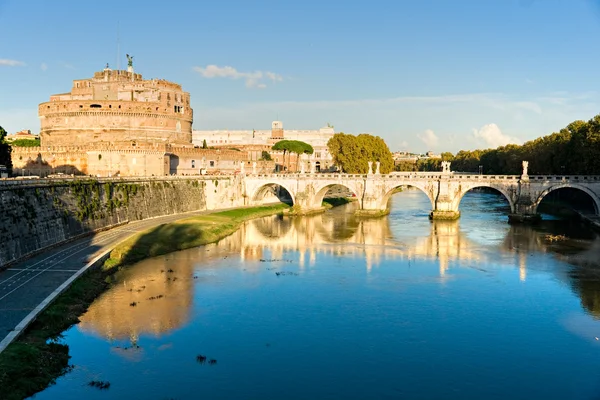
point(129, 60)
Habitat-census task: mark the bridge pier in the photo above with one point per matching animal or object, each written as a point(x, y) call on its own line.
point(525, 210)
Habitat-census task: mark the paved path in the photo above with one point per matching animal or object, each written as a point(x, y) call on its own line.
point(25, 285)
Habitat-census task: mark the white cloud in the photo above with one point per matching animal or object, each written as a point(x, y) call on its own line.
point(429, 138)
point(253, 79)
point(491, 136)
point(44, 66)
point(11, 63)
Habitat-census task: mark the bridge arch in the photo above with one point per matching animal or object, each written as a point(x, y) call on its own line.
point(321, 191)
point(594, 196)
point(383, 205)
point(259, 193)
point(497, 188)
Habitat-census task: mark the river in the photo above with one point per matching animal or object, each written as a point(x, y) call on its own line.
point(331, 307)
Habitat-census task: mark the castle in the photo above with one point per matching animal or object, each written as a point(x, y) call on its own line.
point(117, 107)
point(118, 124)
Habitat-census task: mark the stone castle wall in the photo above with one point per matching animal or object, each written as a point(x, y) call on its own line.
point(67, 123)
point(37, 217)
point(110, 161)
point(117, 107)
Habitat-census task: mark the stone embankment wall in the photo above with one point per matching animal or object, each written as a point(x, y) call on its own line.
point(38, 215)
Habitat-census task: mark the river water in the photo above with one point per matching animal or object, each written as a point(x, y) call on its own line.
point(331, 307)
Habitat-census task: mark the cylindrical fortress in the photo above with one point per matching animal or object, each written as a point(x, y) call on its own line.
point(120, 108)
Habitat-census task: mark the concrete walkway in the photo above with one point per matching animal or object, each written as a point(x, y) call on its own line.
point(25, 286)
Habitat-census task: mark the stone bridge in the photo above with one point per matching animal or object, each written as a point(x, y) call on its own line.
point(444, 189)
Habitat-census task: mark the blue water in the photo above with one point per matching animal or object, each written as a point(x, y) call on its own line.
point(330, 307)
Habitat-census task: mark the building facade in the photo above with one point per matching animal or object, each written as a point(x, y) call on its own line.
point(254, 142)
point(118, 124)
point(120, 108)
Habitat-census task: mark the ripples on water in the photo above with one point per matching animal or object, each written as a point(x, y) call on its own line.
point(329, 307)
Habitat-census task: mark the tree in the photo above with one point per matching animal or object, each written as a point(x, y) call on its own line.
point(5, 151)
point(25, 143)
point(204, 145)
point(265, 156)
point(293, 146)
point(353, 153)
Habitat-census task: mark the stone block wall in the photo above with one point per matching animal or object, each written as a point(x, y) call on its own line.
point(35, 217)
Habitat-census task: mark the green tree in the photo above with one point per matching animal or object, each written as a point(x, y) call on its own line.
point(25, 143)
point(265, 156)
point(293, 146)
point(5, 150)
point(353, 153)
point(204, 145)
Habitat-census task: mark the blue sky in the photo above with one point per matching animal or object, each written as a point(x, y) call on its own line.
point(435, 75)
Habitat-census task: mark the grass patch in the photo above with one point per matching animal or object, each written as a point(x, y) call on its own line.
point(185, 234)
point(37, 358)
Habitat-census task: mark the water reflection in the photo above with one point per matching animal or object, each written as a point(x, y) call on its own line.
point(142, 288)
point(335, 233)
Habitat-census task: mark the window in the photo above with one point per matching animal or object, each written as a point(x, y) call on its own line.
point(95, 106)
point(193, 163)
point(212, 163)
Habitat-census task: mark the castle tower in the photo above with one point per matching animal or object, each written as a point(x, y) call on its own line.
point(276, 132)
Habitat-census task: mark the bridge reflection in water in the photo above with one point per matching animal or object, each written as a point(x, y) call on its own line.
point(335, 233)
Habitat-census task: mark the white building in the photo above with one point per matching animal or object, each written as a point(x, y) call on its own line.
point(255, 141)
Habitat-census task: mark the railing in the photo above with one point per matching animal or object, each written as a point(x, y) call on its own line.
point(25, 181)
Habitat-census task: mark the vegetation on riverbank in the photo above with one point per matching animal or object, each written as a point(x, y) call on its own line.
point(337, 201)
point(37, 358)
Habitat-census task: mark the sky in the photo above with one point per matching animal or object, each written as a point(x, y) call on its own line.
point(435, 75)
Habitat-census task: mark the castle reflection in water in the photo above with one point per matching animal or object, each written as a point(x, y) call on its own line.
point(336, 233)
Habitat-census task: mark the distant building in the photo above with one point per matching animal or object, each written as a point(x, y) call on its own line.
point(257, 141)
point(22, 135)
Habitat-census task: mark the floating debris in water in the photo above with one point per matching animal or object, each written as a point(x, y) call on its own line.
point(276, 260)
point(200, 359)
point(283, 273)
point(212, 361)
point(556, 238)
point(160, 296)
point(102, 385)
point(133, 304)
point(170, 271)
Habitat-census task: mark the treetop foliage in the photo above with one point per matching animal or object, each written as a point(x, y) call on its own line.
point(353, 153)
point(293, 146)
point(5, 151)
point(575, 149)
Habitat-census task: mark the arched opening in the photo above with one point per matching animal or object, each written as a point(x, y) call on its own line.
point(272, 193)
point(485, 199)
point(334, 195)
point(482, 209)
point(407, 198)
point(566, 202)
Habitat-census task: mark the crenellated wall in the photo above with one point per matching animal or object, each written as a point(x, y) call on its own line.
point(41, 214)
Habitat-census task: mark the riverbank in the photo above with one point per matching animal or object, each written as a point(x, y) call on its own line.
point(37, 357)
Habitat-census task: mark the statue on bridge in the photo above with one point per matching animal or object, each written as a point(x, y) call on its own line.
point(446, 167)
point(377, 165)
point(525, 166)
point(254, 168)
point(370, 168)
